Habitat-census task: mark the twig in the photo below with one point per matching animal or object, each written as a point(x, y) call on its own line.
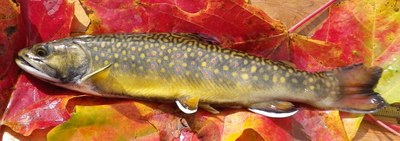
point(312, 15)
point(383, 125)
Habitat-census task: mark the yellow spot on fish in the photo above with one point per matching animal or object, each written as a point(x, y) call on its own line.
point(189, 49)
point(274, 79)
point(253, 69)
point(311, 79)
point(192, 54)
point(245, 76)
point(133, 48)
point(255, 78)
point(159, 61)
point(133, 58)
point(142, 55)
point(216, 71)
point(266, 77)
point(163, 47)
point(203, 64)
point(294, 80)
point(175, 49)
point(96, 58)
point(102, 45)
point(197, 75)
point(234, 74)
point(95, 49)
point(187, 72)
point(261, 70)
point(226, 57)
point(184, 64)
point(190, 43)
point(165, 57)
point(282, 80)
point(328, 84)
point(225, 68)
point(116, 65)
point(200, 53)
point(141, 67)
point(169, 50)
point(312, 87)
point(109, 50)
point(116, 55)
point(290, 70)
point(123, 52)
point(106, 62)
point(245, 62)
point(102, 54)
point(118, 44)
point(125, 58)
point(275, 67)
point(171, 64)
point(154, 53)
point(146, 46)
point(162, 70)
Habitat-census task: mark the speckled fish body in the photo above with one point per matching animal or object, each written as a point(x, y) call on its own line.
point(190, 70)
point(171, 65)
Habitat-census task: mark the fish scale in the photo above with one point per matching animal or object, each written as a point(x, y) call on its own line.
point(223, 73)
point(192, 69)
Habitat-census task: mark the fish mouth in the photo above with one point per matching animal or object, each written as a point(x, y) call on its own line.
point(31, 68)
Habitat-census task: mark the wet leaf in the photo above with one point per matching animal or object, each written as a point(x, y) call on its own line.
point(373, 37)
point(318, 125)
point(368, 32)
point(12, 38)
point(46, 19)
point(104, 123)
point(243, 27)
point(35, 105)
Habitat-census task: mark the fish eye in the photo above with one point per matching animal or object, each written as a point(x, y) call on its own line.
point(41, 52)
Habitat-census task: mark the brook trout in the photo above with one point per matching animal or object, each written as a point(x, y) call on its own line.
point(193, 72)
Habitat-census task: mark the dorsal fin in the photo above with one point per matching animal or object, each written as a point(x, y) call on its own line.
point(205, 38)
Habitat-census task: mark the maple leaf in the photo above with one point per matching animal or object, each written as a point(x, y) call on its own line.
point(39, 110)
point(247, 29)
point(368, 31)
point(11, 35)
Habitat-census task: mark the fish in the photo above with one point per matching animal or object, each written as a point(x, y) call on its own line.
point(194, 72)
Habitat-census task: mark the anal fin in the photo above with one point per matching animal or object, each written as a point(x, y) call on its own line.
point(209, 108)
point(187, 104)
point(274, 109)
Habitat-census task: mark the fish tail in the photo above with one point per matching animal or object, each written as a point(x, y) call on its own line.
point(357, 85)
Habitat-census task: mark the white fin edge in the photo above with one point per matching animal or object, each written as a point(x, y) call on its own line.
point(184, 109)
point(273, 114)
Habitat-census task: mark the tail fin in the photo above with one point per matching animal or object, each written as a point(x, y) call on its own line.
point(357, 85)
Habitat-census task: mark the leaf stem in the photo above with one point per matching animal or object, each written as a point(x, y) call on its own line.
point(383, 125)
point(312, 15)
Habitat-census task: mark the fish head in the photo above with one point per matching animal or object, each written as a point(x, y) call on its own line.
point(62, 61)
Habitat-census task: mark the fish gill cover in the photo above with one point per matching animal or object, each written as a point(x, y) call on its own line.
point(350, 35)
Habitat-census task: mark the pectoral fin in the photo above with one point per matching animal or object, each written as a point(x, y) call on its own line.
point(274, 109)
point(99, 74)
point(101, 82)
point(187, 104)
